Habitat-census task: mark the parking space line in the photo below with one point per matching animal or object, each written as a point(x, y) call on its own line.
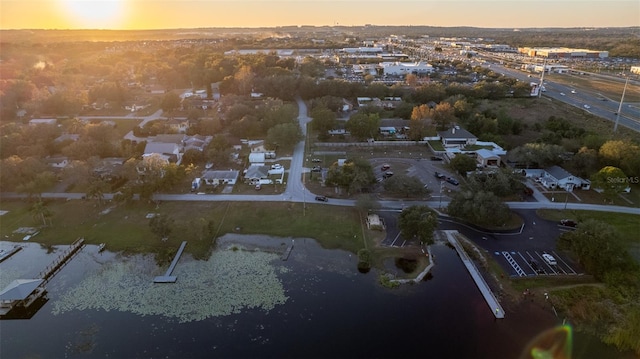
point(513, 264)
point(565, 263)
point(395, 239)
point(527, 262)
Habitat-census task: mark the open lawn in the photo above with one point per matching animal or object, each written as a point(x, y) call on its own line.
point(126, 228)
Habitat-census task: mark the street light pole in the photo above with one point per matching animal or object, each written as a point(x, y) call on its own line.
point(615, 127)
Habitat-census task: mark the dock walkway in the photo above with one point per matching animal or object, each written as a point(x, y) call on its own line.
point(62, 260)
point(488, 295)
point(5, 255)
point(167, 277)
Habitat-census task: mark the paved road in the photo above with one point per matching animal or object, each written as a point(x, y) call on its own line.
point(629, 116)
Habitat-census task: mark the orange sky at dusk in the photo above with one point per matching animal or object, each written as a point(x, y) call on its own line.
point(160, 14)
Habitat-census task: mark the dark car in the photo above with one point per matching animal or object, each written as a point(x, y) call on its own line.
point(436, 158)
point(387, 174)
point(453, 181)
point(439, 175)
point(322, 199)
point(568, 223)
point(385, 167)
point(316, 169)
point(536, 266)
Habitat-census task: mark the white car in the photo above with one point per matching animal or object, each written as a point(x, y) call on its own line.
point(549, 259)
point(573, 91)
point(587, 107)
point(277, 166)
point(562, 94)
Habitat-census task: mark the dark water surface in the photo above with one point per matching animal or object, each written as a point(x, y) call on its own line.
point(331, 311)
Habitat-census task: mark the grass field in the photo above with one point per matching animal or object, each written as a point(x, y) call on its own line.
point(125, 228)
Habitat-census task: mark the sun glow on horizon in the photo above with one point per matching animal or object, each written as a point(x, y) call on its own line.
point(94, 14)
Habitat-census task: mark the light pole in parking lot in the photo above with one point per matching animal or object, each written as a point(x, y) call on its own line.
point(615, 127)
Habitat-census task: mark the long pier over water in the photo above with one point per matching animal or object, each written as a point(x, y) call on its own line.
point(488, 295)
point(60, 262)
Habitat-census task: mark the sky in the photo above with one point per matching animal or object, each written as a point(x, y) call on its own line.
point(171, 14)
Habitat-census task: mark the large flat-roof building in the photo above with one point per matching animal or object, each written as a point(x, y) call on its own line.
point(563, 53)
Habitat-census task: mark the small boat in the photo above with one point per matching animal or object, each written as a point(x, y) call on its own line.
point(101, 247)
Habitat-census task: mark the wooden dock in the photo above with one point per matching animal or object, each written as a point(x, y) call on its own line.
point(61, 261)
point(488, 295)
point(167, 277)
point(287, 252)
point(8, 254)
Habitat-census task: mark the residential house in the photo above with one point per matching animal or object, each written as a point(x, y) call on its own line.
point(170, 152)
point(196, 142)
point(457, 137)
point(257, 174)
point(257, 158)
point(215, 178)
point(57, 162)
point(557, 177)
point(43, 121)
point(176, 125)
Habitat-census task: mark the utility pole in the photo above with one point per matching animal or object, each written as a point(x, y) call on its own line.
point(615, 127)
point(544, 67)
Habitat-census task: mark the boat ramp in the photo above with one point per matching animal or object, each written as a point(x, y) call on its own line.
point(287, 252)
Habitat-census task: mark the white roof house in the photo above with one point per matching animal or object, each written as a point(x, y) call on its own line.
point(220, 177)
point(169, 151)
point(257, 157)
point(558, 177)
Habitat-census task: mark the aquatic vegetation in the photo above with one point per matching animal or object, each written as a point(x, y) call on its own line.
point(227, 283)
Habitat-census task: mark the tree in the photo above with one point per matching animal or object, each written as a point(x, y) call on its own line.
point(366, 202)
point(405, 186)
point(161, 226)
point(353, 175)
point(97, 189)
point(443, 115)
point(537, 154)
point(462, 164)
point(41, 212)
point(323, 120)
point(482, 208)
point(363, 126)
point(170, 102)
point(611, 180)
point(41, 182)
point(284, 136)
point(502, 183)
point(598, 247)
point(418, 221)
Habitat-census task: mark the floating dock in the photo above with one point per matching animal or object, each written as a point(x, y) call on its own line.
point(287, 252)
point(4, 256)
point(167, 277)
point(488, 295)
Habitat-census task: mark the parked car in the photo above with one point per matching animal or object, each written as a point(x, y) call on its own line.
point(387, 174)
point(276, 166)
point(385, 167)
point(322, 199)
point(316, 160)
point(573, 91)
point(562, 94)
point(549, 259)
point(587, 107)
point(316, 169)
point(439, 175)
point(568, 222)
point(436, 158)
point(258, 187)
point(536, 266)
point(453, 181)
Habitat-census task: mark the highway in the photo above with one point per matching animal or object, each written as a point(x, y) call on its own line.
point(607, 108)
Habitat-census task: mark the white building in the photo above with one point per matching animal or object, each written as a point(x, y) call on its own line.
point(404, 68)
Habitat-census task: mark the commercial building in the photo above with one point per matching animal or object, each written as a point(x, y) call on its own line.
point(563, 53)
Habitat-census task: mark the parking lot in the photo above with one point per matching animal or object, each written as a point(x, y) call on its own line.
point(531, 263)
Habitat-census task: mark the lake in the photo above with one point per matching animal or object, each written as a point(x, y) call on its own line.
point(246, 302)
